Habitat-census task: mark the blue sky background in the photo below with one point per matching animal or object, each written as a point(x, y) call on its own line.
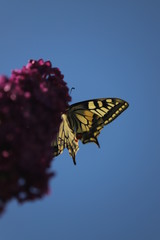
point(104, 49)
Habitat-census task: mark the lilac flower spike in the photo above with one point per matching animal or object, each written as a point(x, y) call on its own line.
point(31, 103)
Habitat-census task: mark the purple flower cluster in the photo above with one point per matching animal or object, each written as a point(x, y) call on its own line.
point(31, 103)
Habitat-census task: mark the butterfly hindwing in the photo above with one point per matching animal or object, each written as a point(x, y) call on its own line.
point(65, 139)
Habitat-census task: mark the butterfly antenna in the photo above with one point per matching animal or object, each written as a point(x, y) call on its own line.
point(71, 90)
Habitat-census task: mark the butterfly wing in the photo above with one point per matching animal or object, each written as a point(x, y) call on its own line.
point(89, 117)
point(66, 138)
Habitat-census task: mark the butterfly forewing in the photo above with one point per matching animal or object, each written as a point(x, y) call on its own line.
point(89, 117)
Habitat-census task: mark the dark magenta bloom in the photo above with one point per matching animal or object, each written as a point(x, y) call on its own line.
point(31, 103)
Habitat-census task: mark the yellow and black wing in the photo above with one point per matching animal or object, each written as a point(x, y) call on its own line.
point(66, 138)
point(84, 121)
point(89, 117)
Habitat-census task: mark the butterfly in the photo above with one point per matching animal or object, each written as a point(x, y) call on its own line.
point(84, 121)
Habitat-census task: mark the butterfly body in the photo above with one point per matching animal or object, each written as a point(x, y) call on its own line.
point(84, 121)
